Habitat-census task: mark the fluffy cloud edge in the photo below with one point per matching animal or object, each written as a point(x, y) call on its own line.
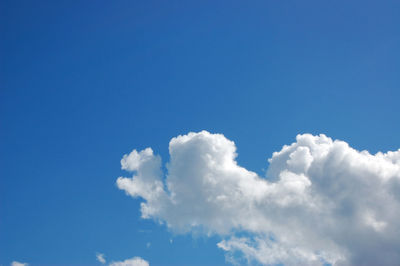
point(16, 263)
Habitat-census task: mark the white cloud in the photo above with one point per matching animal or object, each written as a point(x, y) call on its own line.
point(322, 201)
point(136, 261)
point(265, 251)
point(16, 263)
point(101, 258)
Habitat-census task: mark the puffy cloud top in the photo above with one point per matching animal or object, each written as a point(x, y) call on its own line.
point(16, 263)
point(136, 261)
point(321, 201)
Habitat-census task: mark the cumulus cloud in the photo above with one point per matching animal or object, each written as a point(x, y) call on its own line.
point(321, 201)
point(101, 258)
point(16, 263)
point(136, 261)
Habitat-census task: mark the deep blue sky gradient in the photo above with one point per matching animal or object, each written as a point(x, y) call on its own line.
point(82, 83)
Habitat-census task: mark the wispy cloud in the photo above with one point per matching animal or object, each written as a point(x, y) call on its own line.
point(101, 258)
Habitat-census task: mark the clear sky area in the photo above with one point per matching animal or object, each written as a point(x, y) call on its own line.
point(83, 83)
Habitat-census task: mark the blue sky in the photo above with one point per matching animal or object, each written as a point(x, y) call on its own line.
point(83, 83)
